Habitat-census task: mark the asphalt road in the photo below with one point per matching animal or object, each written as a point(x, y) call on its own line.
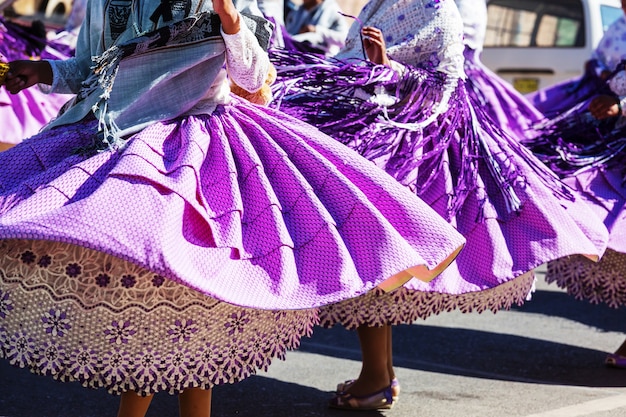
point(544, 359)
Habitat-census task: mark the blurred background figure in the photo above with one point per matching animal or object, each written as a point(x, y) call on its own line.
point(274, 10)
point(318, 24)
point(584, 142)
point(69, 33)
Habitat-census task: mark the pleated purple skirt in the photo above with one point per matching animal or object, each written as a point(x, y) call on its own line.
point(198, 252)
point(604, 192)
point(515, 214)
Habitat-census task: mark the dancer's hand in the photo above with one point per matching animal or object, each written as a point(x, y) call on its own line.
point(228, 15)
point(374, 45)
point(603, 107)
point(23, 74)
point(307, 29)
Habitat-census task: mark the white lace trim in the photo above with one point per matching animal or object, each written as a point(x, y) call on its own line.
point(82, 315)
point(404, 306)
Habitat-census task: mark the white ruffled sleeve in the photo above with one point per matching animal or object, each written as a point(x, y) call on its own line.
point(68, 75)
point(247, 63)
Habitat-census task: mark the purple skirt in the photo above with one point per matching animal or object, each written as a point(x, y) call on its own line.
point(198, 252)
point(503, 104)
point(514, 213)
point(24, 114)
point(589, 154)
point(604, 192)
point(559, 98)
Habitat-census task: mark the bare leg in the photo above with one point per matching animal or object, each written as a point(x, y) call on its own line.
point(195, 402)
point(374, 374)
point(133, 405)
point(390, 370)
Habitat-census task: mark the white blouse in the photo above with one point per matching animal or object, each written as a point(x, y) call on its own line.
point(610, 52)
point(474, 15)
point(420, 33)
point(247, 64)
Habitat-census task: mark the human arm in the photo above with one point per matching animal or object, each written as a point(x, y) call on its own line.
point(604, 106)
point(24, 73)
point(69, 74)
point(374, 46)
point(432, 39)
point(229, 16)
point(607, 105)
point(247, 63)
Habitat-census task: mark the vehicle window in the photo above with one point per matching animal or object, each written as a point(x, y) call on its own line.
point(609, 15)
point(536, 23)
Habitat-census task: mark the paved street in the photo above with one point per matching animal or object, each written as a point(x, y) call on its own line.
point(543, 359)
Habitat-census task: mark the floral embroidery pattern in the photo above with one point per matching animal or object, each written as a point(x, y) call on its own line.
point(404, 306)
point(117, 326)
point(237, 323)
point(51, 360)
point(20, 350)
point(6, 305)
point(182, 332)
point(73, 270)
point(128, 281)
point(119, 333)
point(56, 323)
point(596, 282)
point(44, 261)
point(158, 280)
point(83, 364)
point(103, 280)
point(28, 257)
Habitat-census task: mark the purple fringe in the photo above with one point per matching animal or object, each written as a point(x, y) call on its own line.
point(574, 140)
point(562, 97)
point(343, 99)
point(23, 42)
point(19, 41)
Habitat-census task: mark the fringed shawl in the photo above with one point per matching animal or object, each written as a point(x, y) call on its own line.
point(410, 137)
point(574, 140)
point(154, 77)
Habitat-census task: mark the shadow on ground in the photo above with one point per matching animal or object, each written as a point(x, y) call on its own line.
point(497, 356)
point(29, 395)
point(560, 304)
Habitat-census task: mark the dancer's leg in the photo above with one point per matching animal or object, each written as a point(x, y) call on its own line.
point(195, 402)
point(133, 405)
point(374, 374)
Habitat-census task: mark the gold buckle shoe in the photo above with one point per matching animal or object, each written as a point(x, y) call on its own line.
point(380, 400)
point(342, 387)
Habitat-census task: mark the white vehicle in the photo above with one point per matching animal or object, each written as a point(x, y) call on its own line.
point(536, 43)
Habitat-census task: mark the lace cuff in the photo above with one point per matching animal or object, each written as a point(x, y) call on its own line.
point(66, 77)
point(44, 88)
point(247, 63)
